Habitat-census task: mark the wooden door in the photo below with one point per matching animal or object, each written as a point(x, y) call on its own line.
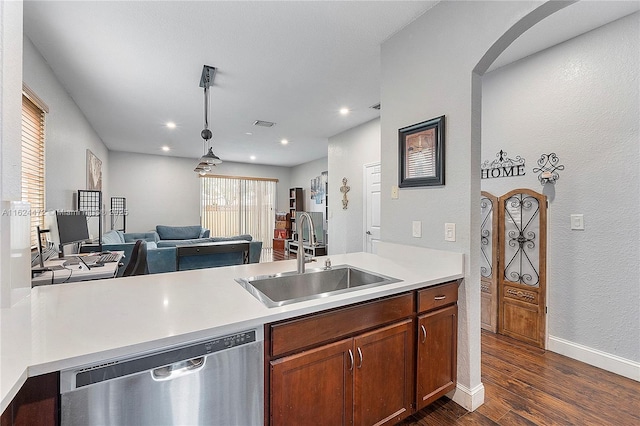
point(372, 194)
point(522, 256)
point(382, 376)
point(437, 354)
point(314, 387)
point(489, 230)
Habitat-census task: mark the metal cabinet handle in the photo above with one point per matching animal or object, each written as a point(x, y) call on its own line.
point(424, 333)
point(178, 369)
point(439, 297)
point(360, 355)
point(368, 232)
point(351, 358)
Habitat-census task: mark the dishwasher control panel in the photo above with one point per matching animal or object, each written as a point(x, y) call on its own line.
point(230, 341)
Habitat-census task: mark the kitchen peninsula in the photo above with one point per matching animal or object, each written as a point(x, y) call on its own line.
point(71, 325)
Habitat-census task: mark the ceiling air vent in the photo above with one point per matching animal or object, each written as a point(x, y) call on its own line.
point(263, 123)
point(376, 106)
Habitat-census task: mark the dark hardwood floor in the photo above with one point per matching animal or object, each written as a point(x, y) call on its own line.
point(529, 386)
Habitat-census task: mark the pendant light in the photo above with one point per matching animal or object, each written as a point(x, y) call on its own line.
point(209, 159)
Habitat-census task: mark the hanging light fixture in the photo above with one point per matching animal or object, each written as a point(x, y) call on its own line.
point(209, 159)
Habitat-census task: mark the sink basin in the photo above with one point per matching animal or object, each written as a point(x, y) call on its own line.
point(291, 287)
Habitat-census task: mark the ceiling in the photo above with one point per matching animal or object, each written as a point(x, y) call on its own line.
point(133, 66)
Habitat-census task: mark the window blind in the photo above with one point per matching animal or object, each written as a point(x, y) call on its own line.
point(33, 163)
point(234, 205)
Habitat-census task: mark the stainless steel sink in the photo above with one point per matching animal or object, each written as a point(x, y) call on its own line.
point(291, 287)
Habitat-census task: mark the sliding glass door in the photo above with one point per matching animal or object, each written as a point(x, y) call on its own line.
point(232, 206)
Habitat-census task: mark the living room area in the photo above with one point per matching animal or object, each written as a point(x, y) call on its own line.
point(160, 186)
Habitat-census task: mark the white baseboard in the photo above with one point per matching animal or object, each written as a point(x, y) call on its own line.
point(470, 399)
point(612, 363)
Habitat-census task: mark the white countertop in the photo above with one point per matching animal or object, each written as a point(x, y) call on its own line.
point(69, 325)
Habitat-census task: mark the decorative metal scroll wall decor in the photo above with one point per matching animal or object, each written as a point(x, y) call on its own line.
point(548, 168)
point(521, 234)
point(502, 166)
point(344, 189)
point(486, 240)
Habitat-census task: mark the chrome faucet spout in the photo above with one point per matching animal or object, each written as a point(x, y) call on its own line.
point(300, 220)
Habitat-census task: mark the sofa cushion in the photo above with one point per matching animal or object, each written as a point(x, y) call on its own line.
point(179, 232)
point(149, 237)
point(245, 237)
point(113, 237)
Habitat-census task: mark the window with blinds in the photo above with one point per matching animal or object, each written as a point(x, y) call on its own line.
point(238, 205)
point(33, 161)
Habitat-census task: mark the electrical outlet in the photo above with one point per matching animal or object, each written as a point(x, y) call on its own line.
point(417, 229)
point(449, 231)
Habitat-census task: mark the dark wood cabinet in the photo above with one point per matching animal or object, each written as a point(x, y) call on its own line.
point(383, 375)
point(35, 404)
point(437, 355)
point(369, 363)
point(313, 387)
point(364, 380)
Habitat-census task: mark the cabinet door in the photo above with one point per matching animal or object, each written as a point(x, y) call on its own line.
point(382, 378)
point(314, 387)
point(437, 355)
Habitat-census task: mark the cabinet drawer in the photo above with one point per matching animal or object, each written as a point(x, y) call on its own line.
point(434, 297)
point(305, 332)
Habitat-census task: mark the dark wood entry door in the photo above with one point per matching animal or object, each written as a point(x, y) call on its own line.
point(522, 257)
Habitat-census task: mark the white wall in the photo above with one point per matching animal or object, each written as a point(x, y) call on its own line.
point(164, 190)
point(580, 100)
point(10, 131)
point(301, 176)
point(428, 71)
point(68, 135)
point(349, 151)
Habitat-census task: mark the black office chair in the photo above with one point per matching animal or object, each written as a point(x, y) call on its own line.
point(138, 263)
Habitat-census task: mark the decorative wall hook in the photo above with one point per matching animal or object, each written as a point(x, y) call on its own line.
point(548, 168)
point(344, 189)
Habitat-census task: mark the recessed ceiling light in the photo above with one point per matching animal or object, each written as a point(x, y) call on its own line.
point(166, 148)
point(253, 157)
point(170, 124)
point(344, 111)
point(284, 141)
point(249, 133)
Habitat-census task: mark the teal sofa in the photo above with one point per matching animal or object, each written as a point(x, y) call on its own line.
point(161, 248)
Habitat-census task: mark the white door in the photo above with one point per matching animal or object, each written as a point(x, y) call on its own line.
point(372, 177)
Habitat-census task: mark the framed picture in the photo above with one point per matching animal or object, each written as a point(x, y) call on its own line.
point(94, 172)
point(422, 154)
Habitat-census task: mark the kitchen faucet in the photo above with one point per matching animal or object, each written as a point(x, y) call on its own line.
point(300, 219)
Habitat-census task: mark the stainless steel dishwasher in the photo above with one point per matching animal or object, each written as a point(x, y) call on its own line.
point(213, 382)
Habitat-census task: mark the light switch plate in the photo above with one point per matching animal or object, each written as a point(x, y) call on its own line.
point(449, 231)
point(577, 222)
point(417, 229)
point(394, 192)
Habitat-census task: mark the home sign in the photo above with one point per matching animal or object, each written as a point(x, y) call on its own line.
point(502, 166)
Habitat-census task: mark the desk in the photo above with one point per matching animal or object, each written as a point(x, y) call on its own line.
point(74, 273)
point(212, 248)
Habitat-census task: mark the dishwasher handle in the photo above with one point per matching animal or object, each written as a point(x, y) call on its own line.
point(178, 369)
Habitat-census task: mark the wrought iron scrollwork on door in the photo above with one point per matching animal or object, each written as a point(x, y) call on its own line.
point(486, 240)
point(521, 235)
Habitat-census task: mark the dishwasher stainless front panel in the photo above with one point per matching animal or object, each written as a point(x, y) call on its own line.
point(215, 382)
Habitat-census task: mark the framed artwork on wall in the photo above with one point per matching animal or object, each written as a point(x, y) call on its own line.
point(94, 172)
point(421, 156)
